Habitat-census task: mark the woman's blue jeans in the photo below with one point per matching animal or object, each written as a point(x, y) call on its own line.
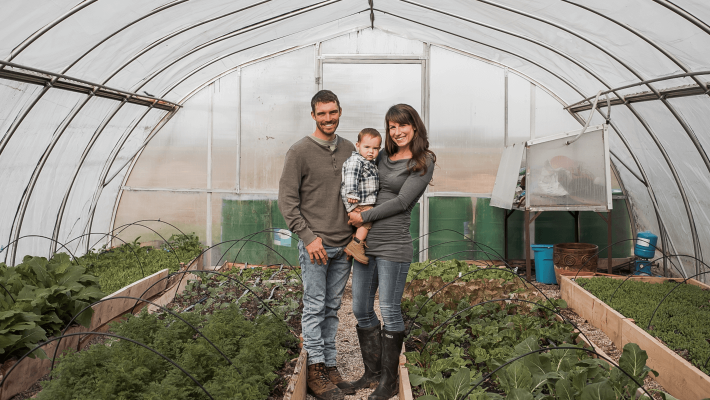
point(390, 277)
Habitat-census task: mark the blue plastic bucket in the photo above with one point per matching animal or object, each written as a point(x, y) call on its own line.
point(645, 245)
point(544, 268)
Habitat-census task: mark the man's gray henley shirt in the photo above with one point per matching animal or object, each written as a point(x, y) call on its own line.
point(309, 191)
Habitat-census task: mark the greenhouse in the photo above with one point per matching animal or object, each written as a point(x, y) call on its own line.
point(144, 147)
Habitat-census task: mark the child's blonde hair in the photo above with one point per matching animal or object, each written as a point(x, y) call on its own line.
point(372, 132)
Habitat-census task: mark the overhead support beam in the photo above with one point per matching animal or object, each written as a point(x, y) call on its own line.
point(63, 82)
point(682, 91)
point(663, 78)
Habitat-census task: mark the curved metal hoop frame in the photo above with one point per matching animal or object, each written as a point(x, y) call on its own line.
point(145, 301)
point(109, 335)
point(565, 319)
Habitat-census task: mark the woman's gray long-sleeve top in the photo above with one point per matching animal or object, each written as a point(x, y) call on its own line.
point(400, 190)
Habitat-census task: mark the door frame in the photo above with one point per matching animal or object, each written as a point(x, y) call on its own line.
point(423, 60)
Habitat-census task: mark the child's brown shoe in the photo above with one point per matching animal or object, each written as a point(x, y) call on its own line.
point(356, 249)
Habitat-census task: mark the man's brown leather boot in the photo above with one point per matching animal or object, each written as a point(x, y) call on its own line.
point(337, 379)
point(319, 384)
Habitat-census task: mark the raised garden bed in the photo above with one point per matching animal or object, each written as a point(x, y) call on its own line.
point(262, 348)
point(38, 298)
point(38, 279)
point(677, 375)
point(462, 334)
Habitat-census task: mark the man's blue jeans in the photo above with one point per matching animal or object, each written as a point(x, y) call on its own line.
point(390, 277)
point(323, 287)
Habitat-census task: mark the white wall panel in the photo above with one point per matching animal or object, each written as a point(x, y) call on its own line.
point(24, 150)
point(276, 112)
point(550, 116)
point(76, 214)
point(467, 122)
point(56, 174)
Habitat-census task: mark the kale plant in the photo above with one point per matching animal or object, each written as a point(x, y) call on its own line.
point(123, 370)
point(47, 294)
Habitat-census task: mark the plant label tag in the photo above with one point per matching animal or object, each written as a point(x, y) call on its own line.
point(282, 237)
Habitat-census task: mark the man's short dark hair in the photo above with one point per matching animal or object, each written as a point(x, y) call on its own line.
point(324, 96)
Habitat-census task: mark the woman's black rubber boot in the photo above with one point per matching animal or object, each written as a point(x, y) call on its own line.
point(389, 381)
point(371, 350)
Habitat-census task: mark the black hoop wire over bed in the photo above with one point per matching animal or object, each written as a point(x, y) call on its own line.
point(238, 240)
point(668, 294)
point(463, 275)
point(223, 275)
point(8, 293)
point(43, 237)
point(508, 269)
point(431, 334)
point(621, 241)
point(631, 276)
point(488, 375)
point(110, 335)
point(113, 237)
point(145, 301)
point(500, 257)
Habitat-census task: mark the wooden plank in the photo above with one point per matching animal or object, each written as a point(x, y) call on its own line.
point(595, 311)
point(297, 384)
point(172, 287)
point(607, 316)
point(678, 376)
point(109, 310)
point(405, 387)
point(587, 343)
point(30, 370)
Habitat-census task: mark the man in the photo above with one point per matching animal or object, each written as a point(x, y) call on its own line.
point(309, 199)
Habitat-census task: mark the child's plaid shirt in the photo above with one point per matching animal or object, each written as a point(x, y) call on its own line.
point(361, 181)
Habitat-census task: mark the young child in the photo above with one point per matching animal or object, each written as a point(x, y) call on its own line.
point(361, 182)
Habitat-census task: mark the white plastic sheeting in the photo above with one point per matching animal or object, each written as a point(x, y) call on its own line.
point(569, 48)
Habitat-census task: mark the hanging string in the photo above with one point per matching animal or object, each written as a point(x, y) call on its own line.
point(372, 13)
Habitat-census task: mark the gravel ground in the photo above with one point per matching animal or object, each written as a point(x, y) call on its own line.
point(349, 358)
point(597, 336)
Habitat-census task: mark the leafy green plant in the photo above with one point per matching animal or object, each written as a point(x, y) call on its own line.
point(448, 360)
point(680, 322)
point(451, 269)
point(47, 294)
point(124, 370)
point(130, 262)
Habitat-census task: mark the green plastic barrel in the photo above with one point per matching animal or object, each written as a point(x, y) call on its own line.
point(287, 243)
point(516, 235)
point(240, 220)
point(488, 230)
point(450, 219)
point(414, 231)
point(553, 227)
point(594, 230)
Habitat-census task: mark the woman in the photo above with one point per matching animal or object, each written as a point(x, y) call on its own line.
point(406, 168)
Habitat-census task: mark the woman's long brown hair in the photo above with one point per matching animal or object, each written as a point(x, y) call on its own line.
point(405, 114)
